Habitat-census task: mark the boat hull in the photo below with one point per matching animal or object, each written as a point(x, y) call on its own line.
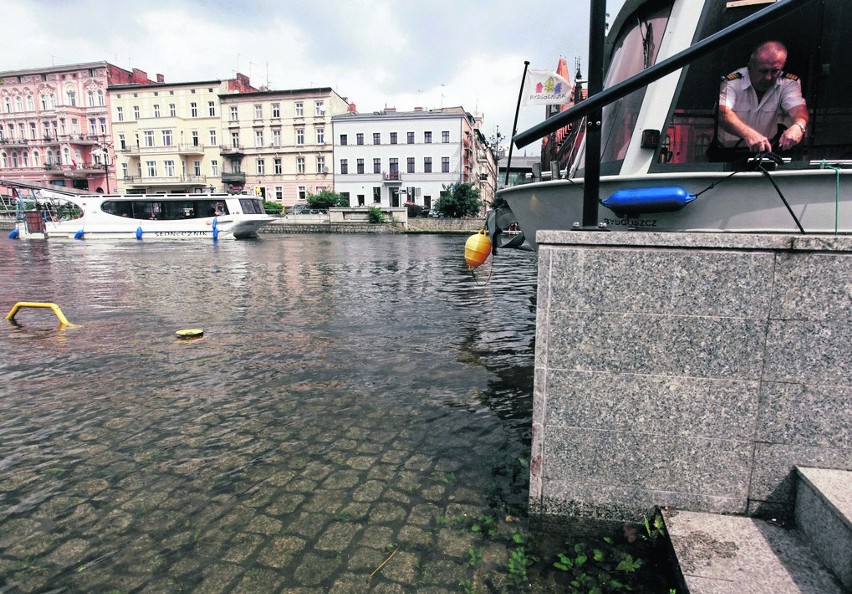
point(821, 200)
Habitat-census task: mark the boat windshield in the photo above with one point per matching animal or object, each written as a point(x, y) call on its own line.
point(635, 50)
point(817, 50)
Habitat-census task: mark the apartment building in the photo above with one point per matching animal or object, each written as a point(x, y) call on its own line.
point(387, 158)
point(277, 144)
point(168, 137)
point(55, 124)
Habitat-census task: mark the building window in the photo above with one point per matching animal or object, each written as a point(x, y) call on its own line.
point(214, 168)
point(276, 110)
point(300, 109)
point(235, 139)
point(445, 164)
point(344, 140)
point(321, 165)
point(276, 165)
point(320, 135)
point(445, 136)
point(135, 112)
point(377, 165)
point(394, 166)
point(300, 136)
point(156, 110)
point(167, 138)
point(196, 168)
point(152, 168)
point(71, 95)
point(193, 109)
point(258, 138)
point(377, 195)
point(213, 141)
point(91, 95)
point(393, 137)
point(234, 113)
point(300, 164)
point(93, 126)
point(319, 108)
point(125, 172)
point(261, 166)
point(279, 193)
point(359, 138)
point(359, 164)
point(172, 110)
point(169, 167)
point(122, 143)
point(258, 112)
point(410, 137)
point(119, 113)
point(303, 193)
point(211, 108)
point(149, 138)
point(377, 138)
point(344, 166)
point(276, 137)
point(427, 164)
point(195, 141)
point(410, 165)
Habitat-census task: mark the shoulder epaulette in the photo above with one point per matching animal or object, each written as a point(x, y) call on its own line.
point(734, 76)
point(791, 76)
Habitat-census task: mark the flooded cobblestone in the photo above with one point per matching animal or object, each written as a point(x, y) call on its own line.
point(344, 406)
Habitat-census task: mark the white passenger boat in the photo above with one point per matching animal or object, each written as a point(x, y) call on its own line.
point(655, 174)
point(50, 214)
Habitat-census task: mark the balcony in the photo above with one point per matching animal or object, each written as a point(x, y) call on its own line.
point(235, 177)
point(392, 177)
point(232, 150)
point(190, 149)
point(175, 180)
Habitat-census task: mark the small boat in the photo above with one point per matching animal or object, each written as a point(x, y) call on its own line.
point(43, 213)
point(655, 172)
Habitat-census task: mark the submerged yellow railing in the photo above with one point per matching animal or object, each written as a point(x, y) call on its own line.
point(51, 306)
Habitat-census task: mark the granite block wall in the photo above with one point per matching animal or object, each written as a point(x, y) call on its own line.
point(688, 370)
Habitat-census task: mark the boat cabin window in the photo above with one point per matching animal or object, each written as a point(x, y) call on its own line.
point(633, 51)
point(252, 206)
point(166, 210)
point(817, 50)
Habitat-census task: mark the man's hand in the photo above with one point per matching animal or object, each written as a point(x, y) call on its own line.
point(791, 137)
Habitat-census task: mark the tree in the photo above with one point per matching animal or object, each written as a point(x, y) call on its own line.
point(326, 199)
point(459, 200)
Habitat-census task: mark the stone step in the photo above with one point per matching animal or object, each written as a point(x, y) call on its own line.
point(824, 516)
point(720, 554)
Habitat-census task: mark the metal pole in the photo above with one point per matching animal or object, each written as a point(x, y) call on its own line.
point(597, 25)
point(515, 124)
point(625, 87)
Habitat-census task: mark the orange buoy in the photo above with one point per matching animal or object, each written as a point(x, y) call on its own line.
point(477, 248)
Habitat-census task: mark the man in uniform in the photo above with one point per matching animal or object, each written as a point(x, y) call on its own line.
point(753, 99)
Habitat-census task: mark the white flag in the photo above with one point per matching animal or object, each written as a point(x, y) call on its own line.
point(545, 87)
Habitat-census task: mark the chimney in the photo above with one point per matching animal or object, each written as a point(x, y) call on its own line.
point(353, 108)
point(418, 109)
point(161, 78)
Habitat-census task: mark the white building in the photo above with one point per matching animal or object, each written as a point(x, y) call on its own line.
point(387, 158)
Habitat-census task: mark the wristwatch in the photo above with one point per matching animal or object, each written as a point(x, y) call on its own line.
point(800, 125)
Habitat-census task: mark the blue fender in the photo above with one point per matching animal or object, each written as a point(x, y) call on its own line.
point(138, 232)
point(13, 234)
point(79, 234)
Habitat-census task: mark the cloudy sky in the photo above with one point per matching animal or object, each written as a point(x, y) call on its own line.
point(376, 53)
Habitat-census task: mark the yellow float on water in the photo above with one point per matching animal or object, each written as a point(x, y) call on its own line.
point(477, 248)
point(190, 333)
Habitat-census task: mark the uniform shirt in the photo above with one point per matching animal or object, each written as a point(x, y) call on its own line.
point(738, 95)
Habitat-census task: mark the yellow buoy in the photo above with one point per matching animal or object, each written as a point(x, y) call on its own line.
point(190, 333)
point(51, 306)
point(477, 248)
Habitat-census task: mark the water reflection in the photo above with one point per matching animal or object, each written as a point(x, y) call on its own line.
point(348, 391)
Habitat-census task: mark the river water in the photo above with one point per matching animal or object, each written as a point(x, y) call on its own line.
point(354, 399)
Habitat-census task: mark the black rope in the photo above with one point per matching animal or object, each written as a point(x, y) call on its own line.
point(783, 199)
